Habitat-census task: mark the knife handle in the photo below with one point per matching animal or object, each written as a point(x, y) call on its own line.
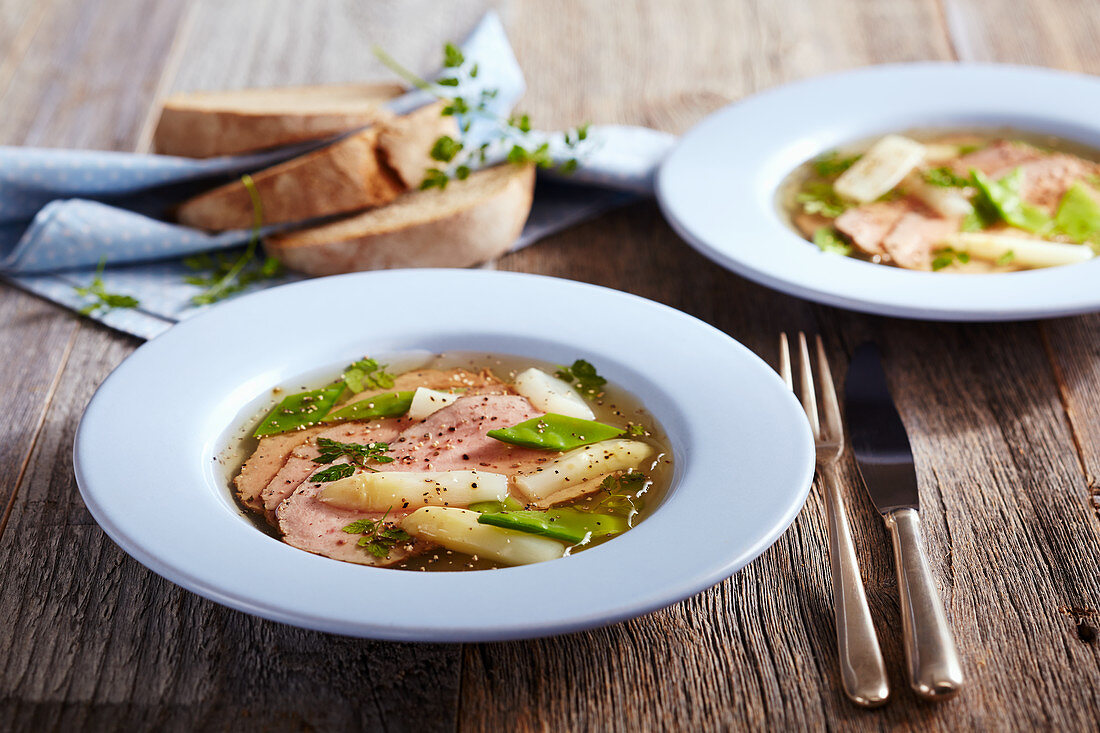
point(861, 669)
point(934, 669)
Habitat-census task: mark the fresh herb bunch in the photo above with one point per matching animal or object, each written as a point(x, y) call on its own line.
point(102, 300)
point(357, 453)
point(378, 539)
point(456, 159)
point(366, 374)
point(583, 376)
point(226, 275)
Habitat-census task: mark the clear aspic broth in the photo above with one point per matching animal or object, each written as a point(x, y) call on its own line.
point(615, 407)
point(789, 188)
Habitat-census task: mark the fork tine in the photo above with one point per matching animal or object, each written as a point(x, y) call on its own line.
point(809, 397)
point(833, 427)
point(785, 361)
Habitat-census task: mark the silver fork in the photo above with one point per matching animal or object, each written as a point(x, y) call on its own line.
point(861, 667)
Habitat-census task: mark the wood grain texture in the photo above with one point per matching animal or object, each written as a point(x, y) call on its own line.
point(1002, 418)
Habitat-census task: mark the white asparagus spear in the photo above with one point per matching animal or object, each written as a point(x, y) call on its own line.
point(458, 530)
point(551, 394)
point(1019, 250)
point(880, 169)
point(581, 464)
point(377, 492)
point(426, 401)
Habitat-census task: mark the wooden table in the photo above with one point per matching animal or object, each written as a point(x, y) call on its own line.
point(1005, 419)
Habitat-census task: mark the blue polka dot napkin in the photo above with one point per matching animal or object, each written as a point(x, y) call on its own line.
point(62, 212)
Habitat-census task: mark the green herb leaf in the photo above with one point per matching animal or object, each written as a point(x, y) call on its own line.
point(445, 149)
point(357, 453)
point(102, 300)
point(390, 404)
point(945, 177)
point(948, 256)
point(623, 493)
point(452, 57)
point(378, 539)
point(1006, 258)
point(300, 410)
point(1003, 196)
point(228, 276)
point(434, 178)
point(636, 429)
point(555, 432)
point(367, 374)
point(584, 377)
point(832, 164)
point(332, 473)
point(819, 197)
point(360, 526)
point(828, 239)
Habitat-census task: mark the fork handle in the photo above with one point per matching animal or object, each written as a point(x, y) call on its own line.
point(861, 669)
point(934, 669)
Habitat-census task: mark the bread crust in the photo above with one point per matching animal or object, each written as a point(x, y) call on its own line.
point(462, 237)
point(208, 124)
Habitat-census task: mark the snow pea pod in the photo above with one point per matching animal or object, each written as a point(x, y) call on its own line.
point(391, 404)
point(1078, 213)
point(1004, 196)
point(570, 525)
point(555, 432)
point(300, 410)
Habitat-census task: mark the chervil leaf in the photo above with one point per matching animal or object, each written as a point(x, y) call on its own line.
point(832, 164)
point(102, 299)
point(452, 56)
point(583, 375)
point(828, 239)
point(332, 473)
point(357, 453)
point(445, 149)
point(360, 526)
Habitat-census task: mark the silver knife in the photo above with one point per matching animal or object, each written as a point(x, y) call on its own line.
point(885, 461)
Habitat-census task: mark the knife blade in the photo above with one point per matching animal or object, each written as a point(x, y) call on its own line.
point(879, 440)
point(885, 460)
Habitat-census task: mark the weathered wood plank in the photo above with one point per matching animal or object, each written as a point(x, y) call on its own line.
point(36, 41)
point(94, 640)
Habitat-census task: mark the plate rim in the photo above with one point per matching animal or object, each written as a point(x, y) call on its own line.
point(151, 558)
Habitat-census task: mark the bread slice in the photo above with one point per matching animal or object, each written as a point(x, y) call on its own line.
point(205, 124)
point(349, 175)
point(464, 224)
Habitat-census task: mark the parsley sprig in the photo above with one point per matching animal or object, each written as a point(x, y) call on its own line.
point(583, 376)
point(358, 454)
point(378, 539)
point(366, 374)
point(226, 275)
point(456, 159)
point(102, 300)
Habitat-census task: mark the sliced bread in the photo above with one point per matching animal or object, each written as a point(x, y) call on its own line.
point(466, 223)
point(349, 175)
point(205, 124)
